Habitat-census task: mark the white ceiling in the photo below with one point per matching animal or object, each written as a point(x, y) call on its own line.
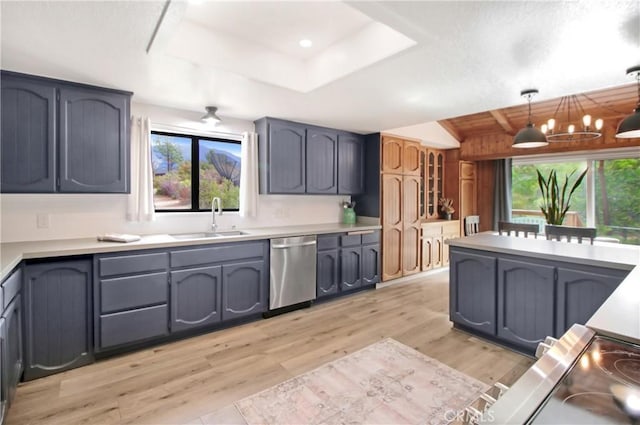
point(467, 57)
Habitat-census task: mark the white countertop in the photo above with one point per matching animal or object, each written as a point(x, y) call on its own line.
point(604, 254)
point(12, 253)
point(619, 316)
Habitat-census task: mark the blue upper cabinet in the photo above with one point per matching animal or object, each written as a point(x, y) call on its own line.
point(297, 158)
point(28, 136)
point(59, 136)
point(93, 141)
point(350, 164)
point(322, 157)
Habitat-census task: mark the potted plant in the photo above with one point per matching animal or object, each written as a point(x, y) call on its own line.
point(446, 207)
point(555, 200)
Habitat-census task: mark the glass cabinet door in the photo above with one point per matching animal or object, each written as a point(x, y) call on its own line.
point(431, 195)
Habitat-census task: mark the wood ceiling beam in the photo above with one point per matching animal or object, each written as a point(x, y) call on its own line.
point(503, 121)
point(451, 129)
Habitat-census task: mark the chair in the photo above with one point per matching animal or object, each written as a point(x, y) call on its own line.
point(508, 227)
point(471, 224)
point(557, 232)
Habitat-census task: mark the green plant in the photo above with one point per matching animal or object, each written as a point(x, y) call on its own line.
point(555, 202)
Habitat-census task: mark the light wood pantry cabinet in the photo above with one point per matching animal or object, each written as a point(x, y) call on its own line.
point(435, 251)
point(411, 225)
point(392, 226)
point(411, 175)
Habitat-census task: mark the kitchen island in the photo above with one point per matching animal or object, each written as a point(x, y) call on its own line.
point(517, 291)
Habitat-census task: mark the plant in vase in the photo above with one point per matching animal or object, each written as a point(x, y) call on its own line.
point(555, 200)
point(446, 207)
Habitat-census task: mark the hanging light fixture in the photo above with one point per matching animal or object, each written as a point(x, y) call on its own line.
point(210, 117)
point(529, 137)
point(571, 133)
point(630, 126)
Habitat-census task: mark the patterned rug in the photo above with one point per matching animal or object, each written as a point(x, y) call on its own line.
point(384, 383)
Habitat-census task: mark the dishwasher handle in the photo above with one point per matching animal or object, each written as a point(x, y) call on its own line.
point(283, 246)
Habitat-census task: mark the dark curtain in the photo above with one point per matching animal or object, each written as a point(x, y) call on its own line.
point(502, 192)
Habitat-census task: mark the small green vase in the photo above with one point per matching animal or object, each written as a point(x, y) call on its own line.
point(349, 216)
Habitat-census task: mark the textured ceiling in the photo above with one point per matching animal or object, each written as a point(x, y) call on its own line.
point(469, 57)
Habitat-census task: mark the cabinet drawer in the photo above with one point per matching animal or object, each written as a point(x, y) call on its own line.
point(350, 240)
point(124, 293)
point(133, 326)
point(327, 242)
point(431, 229)
point(135, 263)
point(215, 254)
point(371, 237)
point(11, 287)
point(451, 228)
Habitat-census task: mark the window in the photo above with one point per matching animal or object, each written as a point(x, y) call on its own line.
point(608, 198)
point(189, 171)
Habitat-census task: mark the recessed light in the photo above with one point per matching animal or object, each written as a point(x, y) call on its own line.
point(306, 43)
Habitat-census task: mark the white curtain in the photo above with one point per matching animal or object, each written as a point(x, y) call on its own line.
point(249, 175)
point(140, 202)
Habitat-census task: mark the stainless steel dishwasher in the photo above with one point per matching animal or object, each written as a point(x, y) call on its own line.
point(293, 271)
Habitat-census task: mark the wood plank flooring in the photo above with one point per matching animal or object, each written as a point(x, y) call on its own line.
point(195, 381)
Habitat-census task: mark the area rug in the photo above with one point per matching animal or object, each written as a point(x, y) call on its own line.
point(384, 383)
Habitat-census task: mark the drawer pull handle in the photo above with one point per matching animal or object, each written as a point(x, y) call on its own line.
point(360, 232)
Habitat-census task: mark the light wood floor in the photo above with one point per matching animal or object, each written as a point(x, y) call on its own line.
point(195, 381)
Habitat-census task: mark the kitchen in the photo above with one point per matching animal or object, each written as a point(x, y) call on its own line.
point(172, 85)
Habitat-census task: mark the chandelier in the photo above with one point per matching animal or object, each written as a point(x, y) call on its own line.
point(568, 113)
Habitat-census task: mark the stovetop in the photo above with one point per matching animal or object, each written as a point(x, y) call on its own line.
point(585, 393)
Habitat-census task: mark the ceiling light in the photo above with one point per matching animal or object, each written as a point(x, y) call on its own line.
point(210, 117)
point(572, 133)
point(306, 43)
point(529, 137)
point(630, 126)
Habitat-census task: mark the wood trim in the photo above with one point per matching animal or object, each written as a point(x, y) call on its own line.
point(451, 129)
point(503, 121)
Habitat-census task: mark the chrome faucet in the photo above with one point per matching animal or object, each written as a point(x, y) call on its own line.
point(215, 201)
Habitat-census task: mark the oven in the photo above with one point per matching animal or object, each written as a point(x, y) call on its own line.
point(581, 378)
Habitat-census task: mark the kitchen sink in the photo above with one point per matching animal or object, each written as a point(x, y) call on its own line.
point(205, 235)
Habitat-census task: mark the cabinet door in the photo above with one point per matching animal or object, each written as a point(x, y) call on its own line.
point(57, 317)
point(410, 225)
point(472, 291)
point(526, 294)
point(350, 268)
point(427, 253)
point(244, 289)
point(350, 164)
point(581, 293)
point(439, 176)
point(392, 226)
point(195, 297)
point(94, 145)
point(321, 162)
point(392, 155)
point(431, 200)
point(411, 158)
point(327, 273)
point(28, 136)
point(437, 251)
point(287, 158)
point(13, 338)
point(370, 264)
point(445, 250)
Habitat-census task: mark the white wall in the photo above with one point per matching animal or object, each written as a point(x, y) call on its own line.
point(76, 216)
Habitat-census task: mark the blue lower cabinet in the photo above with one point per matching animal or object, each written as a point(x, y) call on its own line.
point(581, 293)
point(58, 332)
point(370, 264)
point(13, 338)
point(244, 289)
point(327, 273)
point(195, 297)
point(133, 326)
point(472, 285)
point(526, 294)
point(350, 268)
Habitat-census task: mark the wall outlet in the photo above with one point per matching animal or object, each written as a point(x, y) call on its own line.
point(42, 221)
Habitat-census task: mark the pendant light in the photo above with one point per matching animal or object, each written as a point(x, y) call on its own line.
point(630, 126)
point(210, 117)
point(529, 137)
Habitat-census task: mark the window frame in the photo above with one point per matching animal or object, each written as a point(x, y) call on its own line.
point(195, 170)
